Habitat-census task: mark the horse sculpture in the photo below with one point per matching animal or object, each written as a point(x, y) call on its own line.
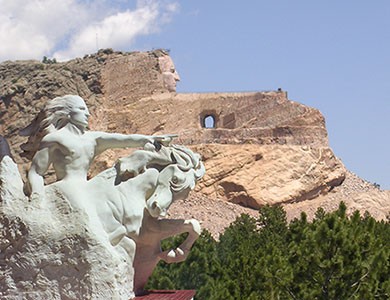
point(132, 209)
point(123, 208)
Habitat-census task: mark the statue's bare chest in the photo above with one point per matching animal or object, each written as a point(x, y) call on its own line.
point(80, 148)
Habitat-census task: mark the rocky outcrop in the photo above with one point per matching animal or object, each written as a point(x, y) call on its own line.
point(259, 148)
point(27, 85)
point(358, 194)
point(48, 250)
point(10, 189)
point(239, 118)
point(246, 174)
point(262, 148)
point(49, 255)
point(355, 192)
point(103, 80)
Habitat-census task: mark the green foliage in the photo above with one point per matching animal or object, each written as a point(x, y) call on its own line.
point(332, 257)
point(49, 61)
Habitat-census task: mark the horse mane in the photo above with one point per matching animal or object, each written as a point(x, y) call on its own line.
point(186, 161)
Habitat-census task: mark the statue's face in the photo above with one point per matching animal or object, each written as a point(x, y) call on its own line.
point(79, 112)
point(170, 76)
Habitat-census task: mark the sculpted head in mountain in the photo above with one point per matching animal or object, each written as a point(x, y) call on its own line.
point(168, 70)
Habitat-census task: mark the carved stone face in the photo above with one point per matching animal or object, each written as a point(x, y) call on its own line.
point(79, 112)
point(170, 76)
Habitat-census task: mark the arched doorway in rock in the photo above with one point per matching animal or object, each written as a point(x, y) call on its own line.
point(209, 121)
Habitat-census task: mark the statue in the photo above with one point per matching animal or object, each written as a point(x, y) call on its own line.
point(69, 146)
point(133, 213)
point(169, 74)
point(125, 205)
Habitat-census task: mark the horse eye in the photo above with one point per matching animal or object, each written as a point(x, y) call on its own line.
point(175, 179)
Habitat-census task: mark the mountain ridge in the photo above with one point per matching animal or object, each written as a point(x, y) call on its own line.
point(262, 148)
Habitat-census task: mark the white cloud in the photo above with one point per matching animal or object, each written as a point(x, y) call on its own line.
point(31, 29)
point(115, 31)
point(69, 28)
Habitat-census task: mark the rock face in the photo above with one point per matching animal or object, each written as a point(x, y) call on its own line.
point(239, 118)
point(245, 174)
point(10, 189)
point(49, 255)
point(259, 148)
point(47, 251)
point(100, 79)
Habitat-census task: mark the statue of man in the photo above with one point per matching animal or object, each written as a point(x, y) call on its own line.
point(70, 147)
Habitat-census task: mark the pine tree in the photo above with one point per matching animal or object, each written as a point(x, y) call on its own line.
point(332, 257)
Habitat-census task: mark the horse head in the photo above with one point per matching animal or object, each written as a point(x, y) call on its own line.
point(176, 180)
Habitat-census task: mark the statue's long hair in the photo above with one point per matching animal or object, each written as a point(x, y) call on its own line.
point(54, 116)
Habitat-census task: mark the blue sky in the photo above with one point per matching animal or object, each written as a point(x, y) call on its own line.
point(331, 55)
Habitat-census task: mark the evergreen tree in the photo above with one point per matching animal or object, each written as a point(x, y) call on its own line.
point(335, 257)
point(332, 257)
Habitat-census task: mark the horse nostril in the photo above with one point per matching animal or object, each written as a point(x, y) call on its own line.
point(154, 205)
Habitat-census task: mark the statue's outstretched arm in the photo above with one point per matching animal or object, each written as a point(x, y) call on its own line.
point(39, 166)
point(107, 140)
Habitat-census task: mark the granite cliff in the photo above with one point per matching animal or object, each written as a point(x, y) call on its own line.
point(259, 148)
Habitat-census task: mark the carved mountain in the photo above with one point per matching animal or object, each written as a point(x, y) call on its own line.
point(259, 148)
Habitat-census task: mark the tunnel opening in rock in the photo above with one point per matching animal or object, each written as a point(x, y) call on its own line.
point(209, 121)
